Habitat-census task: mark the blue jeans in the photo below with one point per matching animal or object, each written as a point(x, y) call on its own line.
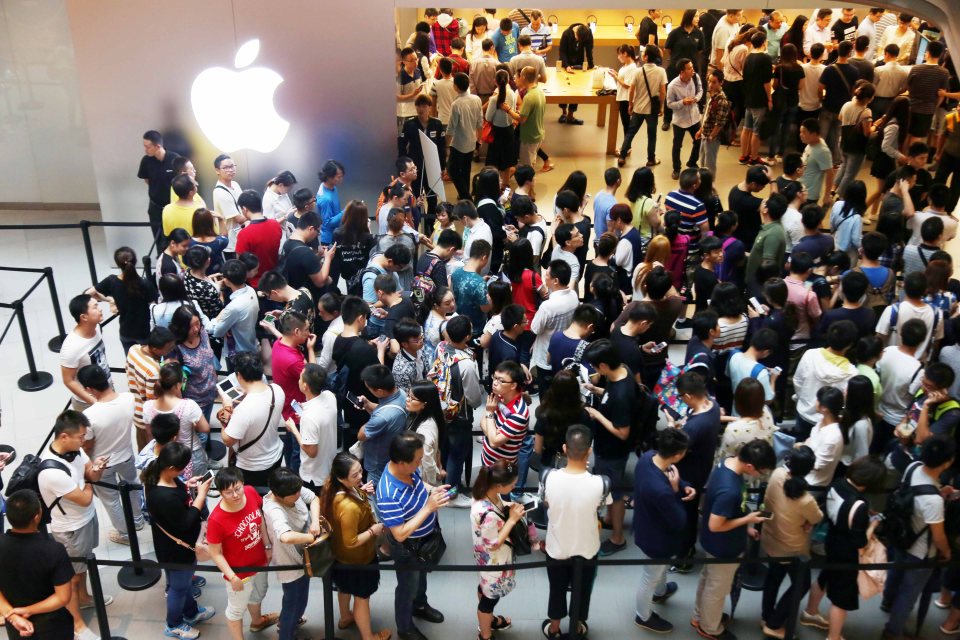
point(778, 141)
point(902, 590)
point(291, 452)
point(180, 602)
point(294, 604)
point(460, 453)
point(411, 589)
point(526, 452)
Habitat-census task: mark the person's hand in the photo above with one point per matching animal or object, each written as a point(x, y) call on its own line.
point(569, 69)
point(203, 487)
point(382, 344)
point(491, 403)
point(512, 235)
point(367, 404)
point(698, 134)
point(593, 413)
point(941, 93)
point(418, 89)
point(674, 477)
point(368, 488)
point(754, 518)
point(773, 377)
point(330, 251)
point(945, 556)
point(751, 312)
point(19, 611)
point(753, 532)
point(314, 529)
point(311, 341)
point(20, 623)
point(266, 325)
point(100, 463)
point(377, 529)
point(527, 377)
point(936, 397)
point(438, 498)
point(516, 513)
point(649, 347)
point(689, 493)
point(236, 583)
point(290, 424)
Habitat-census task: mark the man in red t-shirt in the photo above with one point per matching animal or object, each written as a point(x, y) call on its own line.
point(286, 363)
point(260, 236)
point(237, 537)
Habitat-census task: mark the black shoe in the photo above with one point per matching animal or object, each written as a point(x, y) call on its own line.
point(609, 547)
point(654, 623)
point(573, 120)
point(563, 119)
point(675, 175)
point(671, 589)
point(428, 613)
point(682, 567)
point(684, 323)
point(665, 126)
point(549, 635)
point(413, 634)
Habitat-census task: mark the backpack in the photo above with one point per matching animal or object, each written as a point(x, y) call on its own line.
point(27, 476)
point(724, 386)
point(879, 297)
point(281, 265)
point(355, 284)
point(896, 530)
point(445, 372)
point(895, 316)
point(525, 233)
point(643, 426)
point(422, 287)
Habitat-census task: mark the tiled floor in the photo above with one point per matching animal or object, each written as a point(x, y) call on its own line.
point(28, 417)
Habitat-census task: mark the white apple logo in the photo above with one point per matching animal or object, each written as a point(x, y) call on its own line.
point(235, 108)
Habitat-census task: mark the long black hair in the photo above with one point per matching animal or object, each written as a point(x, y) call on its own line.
point(561, 407)
point(854, 199)
point(799, 462)
point(126, 259)
point(859, 405)
point(503, 81)
point(339, 471)
point(500, 473)
point(427, 393)
point(641, 184)
point(519, 259)
point(576, 182)
point(173, 454)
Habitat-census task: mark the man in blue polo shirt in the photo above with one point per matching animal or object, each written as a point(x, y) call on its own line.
point(408, 508)
point(388, 417)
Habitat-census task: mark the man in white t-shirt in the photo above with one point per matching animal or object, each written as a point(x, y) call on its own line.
point(567, 239)
point(899, 372)
point(108, 436)
point(66, 491)
point(317, 434)
point(810, 97)
point(722, 34)
point(937, 199)
point(572, 496)
point(82, 346)
point(254, 427)
point(904, 586)
point(225, 195)
point(912, 306)
point(478, 230)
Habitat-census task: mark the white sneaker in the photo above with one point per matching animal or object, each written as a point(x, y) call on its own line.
point(462, 501)
point(86, 634)
point(182, 631)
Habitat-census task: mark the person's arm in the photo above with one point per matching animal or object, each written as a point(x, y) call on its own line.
point(70, 381)
point(349, 522)
point(326, 351)
point(220, 325)
point(57, 600)
point(216, 556)
point(721, 524)
point(632, 96)
point(938, 535)
point(674, 100)
point(488, 424)
point(620, 432)
point(909, 209)
point(890, 144)
point(829, 176)
point(438, 499)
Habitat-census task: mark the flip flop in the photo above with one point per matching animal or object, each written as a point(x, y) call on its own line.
point(269, 619)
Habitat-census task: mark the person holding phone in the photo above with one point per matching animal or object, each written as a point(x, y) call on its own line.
point(388, 417)
point(176, 521)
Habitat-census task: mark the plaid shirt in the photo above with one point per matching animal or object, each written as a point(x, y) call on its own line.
point(443, 37)
point(716, 112)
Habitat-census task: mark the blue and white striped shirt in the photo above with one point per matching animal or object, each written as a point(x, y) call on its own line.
point(398, 502)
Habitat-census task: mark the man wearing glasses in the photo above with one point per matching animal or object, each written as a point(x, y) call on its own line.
point(225, 195)
point(507, 417)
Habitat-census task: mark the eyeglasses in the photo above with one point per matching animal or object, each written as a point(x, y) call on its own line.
point(497, 380)
point(233, 491)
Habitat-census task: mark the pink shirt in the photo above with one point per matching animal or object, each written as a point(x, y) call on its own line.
point(287, 364)
point(807, 303)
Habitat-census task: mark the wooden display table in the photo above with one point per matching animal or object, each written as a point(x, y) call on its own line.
point(616, 35)
point(576, 88)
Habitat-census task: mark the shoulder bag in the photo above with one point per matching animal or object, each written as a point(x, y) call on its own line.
point(266, 425)
point(318, 555)
point(201, 551)
point(654, 102)
point(852, 138)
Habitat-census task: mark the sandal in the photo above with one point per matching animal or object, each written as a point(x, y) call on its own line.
point(500, 623)
point(266, 620)
point(383, 634)
point(346, 623)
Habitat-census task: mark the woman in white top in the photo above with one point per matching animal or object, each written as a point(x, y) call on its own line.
point(755, 420)
point(502, 152)
point(169, 399)
point(276, 198)
point(474, 42)
point(826, 439)
point(625, 77)
point(856, 420)
point(443, 306)
point(426, 418)
point(857, 115)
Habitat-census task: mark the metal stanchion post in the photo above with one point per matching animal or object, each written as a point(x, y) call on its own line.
point(88, 248)
point(797, 569)
point(328, 628)
point(35, 380)
point(102, 621)
point(55, 342)
point(134, 578)
point(576, 595)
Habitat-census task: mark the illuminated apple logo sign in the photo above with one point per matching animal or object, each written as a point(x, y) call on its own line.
point(235, 108)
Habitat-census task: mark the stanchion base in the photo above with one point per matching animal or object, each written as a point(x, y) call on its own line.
point(128, 579)
point(216, 450)
point(35, 382)
point(55, 343)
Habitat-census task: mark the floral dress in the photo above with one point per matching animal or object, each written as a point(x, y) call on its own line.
point(487, 522)
point(431, 338)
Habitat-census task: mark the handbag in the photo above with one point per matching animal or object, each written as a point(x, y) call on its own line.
point(201, 551)
point(429, 549)
point(872, 148)
point(852, 138)
point(486, 132)
point(318, 555)
point(654, 102)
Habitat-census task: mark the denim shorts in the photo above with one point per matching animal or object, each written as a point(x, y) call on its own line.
point(754, 118)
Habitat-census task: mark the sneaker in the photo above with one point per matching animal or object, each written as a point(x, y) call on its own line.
point(671, 589)
point(683, 567)
point(86, 634)
point(203, 614)
point(545, 629)
point(744, 159)
point(654, 623)
point(563, 119)
point(608, 547)
point(814, 620)
point(199, 581)
point(675, 175)
point(572, 120)
point(665, 126)
point(652, 163)
point(757, 162)
point(119, 538)
point(182, 631)
point(462, 501)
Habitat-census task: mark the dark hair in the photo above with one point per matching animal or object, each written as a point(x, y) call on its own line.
point(290, 321)
point(22, 507)
point(451, 239)
point(126, 259)
point(398, 254)
point(603, 352)
point(153, 137)
point(93, 377)
point(78, 305)
point(704, 322)
point(691, 383)
point(867, 471)
point(931, 229)
point(915, 284)
point(560, 269)
point(248, 366)
point(607, 298)
point(249, 260)
point(578, 440)
point(831, 399)
point(854, 285)
point(706, 189)
point(842, 335)
point(937, 450)
point(501, 294)
point(459, 328)
point(173, 454)
point(227, 477)
point(500, 473)
point(913, 333)
point(874, 244)
point(844, 49)
point(935, 49)
point(726, 221)
point(859, 405)
point(172, 288)
point(284, 482)
point(379, 377)
point(758, 453)
point(788, 56)
point(939, 374)
point(339, 471)
point(406, 329)
point(355, 224)
point(800, 262)
point(641, 184)
point(513, 370)
point(658, 283)
point(567, 200)
point(352, 308)
point(561, 406)
point(301, 198)
point(164, 427)
point(487, 184)
point(577, 183)
point(404, 446)
point(329, 170)
point(727, 300)
point(169, 378)
point(69, 421)
point(776, 206)
point(219, 160)
point(749, 398)
point(765, 339)
point(478, 249)
point(794, 35)
point(426, 392)
point(234, 271)
point(671, 442)
point(196, 257)
point(518, 260)
point(868, 348)
point(799, 462)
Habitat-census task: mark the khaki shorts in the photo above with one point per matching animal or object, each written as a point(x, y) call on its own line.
point(79, 543)
point(254, 591)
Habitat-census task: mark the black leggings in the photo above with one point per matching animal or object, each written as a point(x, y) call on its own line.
point(486, 604)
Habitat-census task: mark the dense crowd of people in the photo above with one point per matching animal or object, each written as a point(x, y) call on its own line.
point(365, 344)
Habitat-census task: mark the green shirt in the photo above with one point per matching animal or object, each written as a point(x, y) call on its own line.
point(771, 244)
point(534, 106)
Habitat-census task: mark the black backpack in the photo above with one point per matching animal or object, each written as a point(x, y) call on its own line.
point(897, 528)
point(27, 476)
point(355, 284)
point(643, 426)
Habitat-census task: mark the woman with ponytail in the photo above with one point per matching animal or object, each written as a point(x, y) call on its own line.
point(129, 296)
point(502, 154)
point(426, 418)
point(176, 523)
point(443, 306)
point(344, 503)
point(492, 520)
point(826, 439)
point(856, 421)
point(679, 246)
point(169, 399)
point(787, 534)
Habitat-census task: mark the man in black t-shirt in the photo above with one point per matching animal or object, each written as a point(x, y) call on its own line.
point(156, 169)
point(758, 96)
point(747, 205)
point(612, 418)
point(397, 305)
point(300, 265)
point(647, 33)
point(35, 569)
point(627, 338)
point(704, 276)
point(836, 82)
point(853, 288)
point(433, 263)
